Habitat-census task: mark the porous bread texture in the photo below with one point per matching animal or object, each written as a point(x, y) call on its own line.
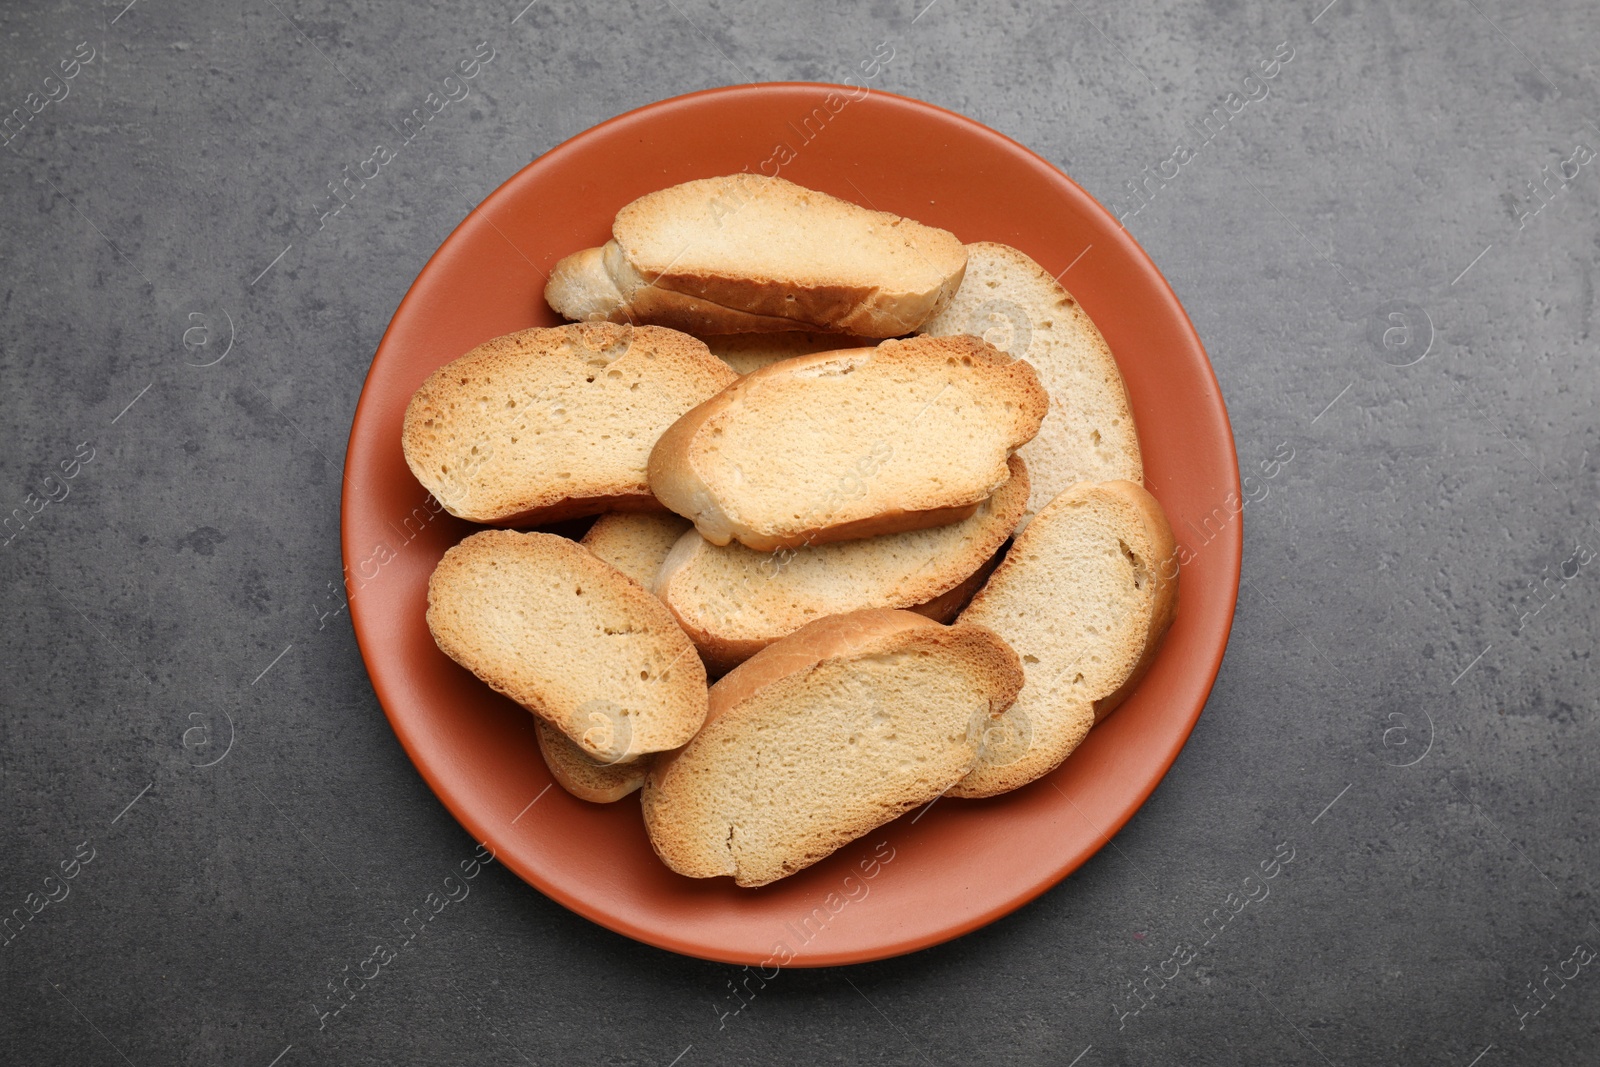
point(637, 543)
point(583, 776)
point(1089, 434)
point(554, 423)
point(571, 638)
point(747, 253)
point(1085, 595)
point(841, 445)
point(822, 737)
point(733, 601)
point(749, 352)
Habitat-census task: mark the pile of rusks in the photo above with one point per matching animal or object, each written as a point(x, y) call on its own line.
point(808, 458)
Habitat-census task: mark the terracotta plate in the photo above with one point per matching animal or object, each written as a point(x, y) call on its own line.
point(961, 864)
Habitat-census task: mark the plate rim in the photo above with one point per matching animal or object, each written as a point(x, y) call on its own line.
point(1231, 536)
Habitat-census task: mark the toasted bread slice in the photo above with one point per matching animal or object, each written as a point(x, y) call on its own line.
point(636, 544)
point(733, 601)
point(1085, 596)
point(599, 285)
point(748, 253)
point(581, 774)
point(749, 352)
point(822, 737)
point(840, 445)
point(550, 424)
point(571, 638)
point(644, 302)
point(1089, 435)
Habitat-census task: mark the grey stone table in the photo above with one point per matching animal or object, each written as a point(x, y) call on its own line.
point(1388, 248)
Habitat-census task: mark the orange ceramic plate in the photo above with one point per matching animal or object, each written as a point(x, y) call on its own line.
point(911, 884)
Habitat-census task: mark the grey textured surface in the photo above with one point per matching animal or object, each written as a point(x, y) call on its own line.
point(1389, 609)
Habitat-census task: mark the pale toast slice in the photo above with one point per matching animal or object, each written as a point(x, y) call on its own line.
point(822, 737)
point(572, 639)
point(749, 352)
point(1085, 596)
point(556, 423)
point(840, 445)
point(749, 253)
point(1089, 434)
point(636, 543)
point(733, 601)
point(600, 285)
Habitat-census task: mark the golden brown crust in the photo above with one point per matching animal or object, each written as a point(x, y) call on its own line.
point(888, 521)
point(600, 285)
point(829, 638)
point(946, 606)
point(579, 507)
point(644, 301)
point(582, 287)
